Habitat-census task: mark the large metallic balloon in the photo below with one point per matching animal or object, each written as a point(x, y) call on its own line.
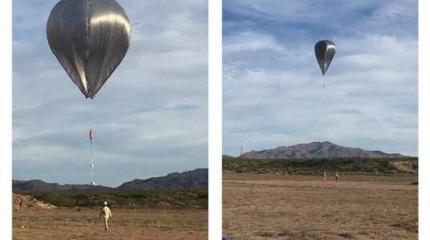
point(89, 38)
point(324, 52)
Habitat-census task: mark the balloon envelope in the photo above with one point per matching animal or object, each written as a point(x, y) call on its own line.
point(324, 52)
point(89, 38)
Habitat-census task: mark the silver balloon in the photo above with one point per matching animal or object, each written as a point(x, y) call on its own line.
point(89, 38)
point(324, 52)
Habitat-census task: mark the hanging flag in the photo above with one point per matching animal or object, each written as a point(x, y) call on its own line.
point(91, 134)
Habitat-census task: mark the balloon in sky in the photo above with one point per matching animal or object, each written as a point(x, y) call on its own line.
point(324, 52)
point(89, 38)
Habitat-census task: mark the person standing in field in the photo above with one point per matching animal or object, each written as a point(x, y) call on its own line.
point(337, 177)
point(106, 214)
point(324, 176)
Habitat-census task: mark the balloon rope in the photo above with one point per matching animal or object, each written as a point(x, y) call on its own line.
point(91, 151)
point(92, 161)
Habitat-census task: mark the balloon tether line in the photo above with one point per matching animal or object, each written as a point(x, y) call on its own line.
point(91, 151)
point(92, 161)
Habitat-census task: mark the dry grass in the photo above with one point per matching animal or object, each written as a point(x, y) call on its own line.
point(67, 224)
point(304, 207)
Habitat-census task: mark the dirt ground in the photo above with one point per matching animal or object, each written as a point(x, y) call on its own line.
point(304, 207)
point(68, 224)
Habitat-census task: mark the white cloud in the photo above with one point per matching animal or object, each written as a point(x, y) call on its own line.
point(250, 41)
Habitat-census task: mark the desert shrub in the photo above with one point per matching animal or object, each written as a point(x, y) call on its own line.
point(314, 166)
point(168, 198)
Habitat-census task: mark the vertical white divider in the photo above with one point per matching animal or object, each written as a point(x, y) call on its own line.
point(215, 118)
point(6, 119)
point(424, 119)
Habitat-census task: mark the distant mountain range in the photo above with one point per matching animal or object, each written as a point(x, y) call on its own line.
point(197, 178)
point(317, 150)
point(191, 179)
point(39, 185)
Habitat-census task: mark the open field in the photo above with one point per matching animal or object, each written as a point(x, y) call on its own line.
point(296, 207)
point(127, 224)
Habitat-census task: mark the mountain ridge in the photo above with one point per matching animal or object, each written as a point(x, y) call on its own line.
point(317, 150)
point(197, 178)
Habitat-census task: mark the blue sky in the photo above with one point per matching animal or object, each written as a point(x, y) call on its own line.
point(273, 92)
point(149, 119)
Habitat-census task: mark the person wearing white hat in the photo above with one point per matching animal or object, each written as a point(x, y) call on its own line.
point(106, 214)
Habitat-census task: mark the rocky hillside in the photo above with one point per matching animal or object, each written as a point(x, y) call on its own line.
point(21, 202)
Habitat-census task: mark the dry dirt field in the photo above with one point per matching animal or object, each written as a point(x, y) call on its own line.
point(68, 224)
point(305, 208)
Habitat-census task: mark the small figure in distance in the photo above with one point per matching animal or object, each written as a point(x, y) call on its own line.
point(106, 214)
point(324, 176)
point(337, 176)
